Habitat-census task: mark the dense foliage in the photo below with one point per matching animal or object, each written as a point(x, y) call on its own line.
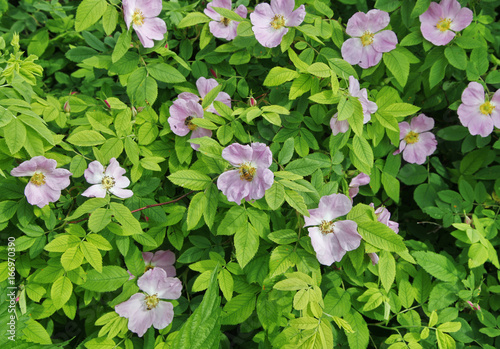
point(308, 174)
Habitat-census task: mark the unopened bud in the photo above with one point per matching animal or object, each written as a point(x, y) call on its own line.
point(166, 45)
point(213, 73)
point(66, 107)
point(107, 104)
point(252, 101)
point(468, 220)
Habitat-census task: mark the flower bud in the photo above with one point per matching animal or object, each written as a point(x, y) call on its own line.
point(67, 108)
point(213, 73)
point(252, 101)
point(107, 104)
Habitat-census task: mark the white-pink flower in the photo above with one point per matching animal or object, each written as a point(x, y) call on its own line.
point(222, 27)
point(252, 176)
point(146, 309)
point(368, 40)
point(332, 238)
point(46, 180)
point(440, 22)
point(270, 22)
point(477, 113)
point(143, 15)
point(356, 182)
point(204, 86)
point(182, 112)
point(106, 180)
point(416, 144)
point(368, 107)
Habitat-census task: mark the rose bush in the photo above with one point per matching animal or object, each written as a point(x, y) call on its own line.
point(281, 174)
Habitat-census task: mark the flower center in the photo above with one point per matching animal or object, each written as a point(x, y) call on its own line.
point(487, 108)
point(108, 182)
point(367, 38)
point(278, 22)
point(152, 301)
point(189, 124)
point(326, 227)
point(38, 179)
point(411, 137)
point(225, 21)
point(148, 267)
point(138, 17)
point(444, 24)
point(247, 172)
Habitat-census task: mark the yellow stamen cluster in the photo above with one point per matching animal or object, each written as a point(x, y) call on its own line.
point(487, 108)
point(326, 227)
point(278, 22)
point(152, 301)
point(411, 137)
point(138, 17)
point(108, 182)
point(444, 24)
point(148, 267)
point(247, 172)
point(367, 38)
point(189, 124)
point(38, 179)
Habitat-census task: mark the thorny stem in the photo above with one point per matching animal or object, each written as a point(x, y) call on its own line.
point(143, 208)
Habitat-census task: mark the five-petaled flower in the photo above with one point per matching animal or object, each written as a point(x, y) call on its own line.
point(368, 40)
point(477, 113)
point(160, 259)
point(331, 238)
point(270, 22)
point(222, 27)
point(383, 216)
point(106, 180)
point(416, 144)
point(356, 182)
point(204, 86)
point(252, 176)
point(146, 309)
point(368, 107)
point(46, 180)
point(182, 113)
point(143, 16)
point(440, 22)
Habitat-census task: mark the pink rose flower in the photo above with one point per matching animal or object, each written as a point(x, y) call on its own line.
point(143, 16)
point(181, 114)
point(46, 181)
point(368, 107)
point(331, 238)
point(252, 176)
point(477, 113)
point(368, 40)
point(270, 22)
point(204, 87)
point(356, 182)
point(147, 309)
point(416, 144)
point(160, 259)
point(440, 22)
point(383, 216)
point(222, 27)
point(106, 180)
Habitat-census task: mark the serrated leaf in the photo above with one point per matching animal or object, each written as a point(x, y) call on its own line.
point(61, 291)
point(190, 179)
point(246, 243)
point(296, 201)
point(437, 265)
point(92, 255)
point(279, 75)
point(88, 13)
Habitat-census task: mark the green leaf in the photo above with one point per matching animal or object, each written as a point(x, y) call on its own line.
point(363, 151)
point(111, 278)
point(456, 56)
point(291, 284)
point(437, 265)
point(450, 327)
point(61, 291)
point(300, 85)
point(238, 309)
point(202, 328)
point(275, 196)
point(345, 108)
point(190, 179)
point(123, 215)
point(92, 255)
point(359, 338)
point(323, 8)
point(398, 65)
point(195, 211)
point(226, 284)
point(386, 269)
point(141, 88)
point(110, 19)
point(88, 13)
point(246, 243)
point(121, 47)
point(282, 258)
point(99, 241)
point(86, 138)
point(72, 258)
point(7, 210)
point(99, 219)
point(295, 200)
point(224, 12)
point(319, 69)
point(15, 135)
point(35, 332)
point(380, 236)
point(193, 18)
point(437, 72)
point(62, 242)
point(399, 110)
point(279, 75)
point(88, 206)
point(165, 73)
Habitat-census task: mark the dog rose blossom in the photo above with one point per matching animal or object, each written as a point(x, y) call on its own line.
point(368, 107)
point(477, 113)
point(146, 309)
point(440, 22)
point(204, 86)
point(270, 22)
point(160, 259)
point(383, 216)
point(368, 41)
point(252, 176)
point(142, 14)
point(222, 27)
point(46, 180)
point(181, 114)
point(416, 144)
point(356, 182)
point(332, 238)
point(106, 180)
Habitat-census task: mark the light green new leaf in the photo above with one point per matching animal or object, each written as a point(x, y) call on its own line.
point(246, 243)
point(279, 75)
point(99, 219)
point(15, 135)
point(193, 18)
point(381, 236)
point(238, 309)
point(190, 179)
point(398, 65)
point(295, 200)
point(195, 211)
point(123, 215)
point(88, 13)
point(61, 291)
point(110, 279)
point(86, 138)
point(72, 258)
point(226, 284)
point(386, 269)
point(92, 255)
point(437, 265)
point(88, 206)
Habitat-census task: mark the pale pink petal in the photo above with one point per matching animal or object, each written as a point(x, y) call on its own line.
point(421, 123)
point(315, 217)
point(139, 317)
point(468, 114)
point(354, 87)
point(404, 129)
point(232, 186)
point(461, 20)
point(178, 113)
point(145, 41)
point(163, 315)
point(269, 37)
point(224, 98)
point(164, 260)
point(347, 234)
point(359, 180)
point(431, 33)
point(377, 20)
point(433, 14)
point(149, 8)
point(210, 12)
point(237, 154)
point(128, 11)
point(205, 85)
point(198, 133)
point(147, 256)
point(374, 257)
point(58, 179)
point(153, 28)
point(121, 193)
point(282, 7)
point(357, 25)
point(262, 15)
point(334, 206)
point(473, 94)
point(241, 11)
point(327, 248)
point(114, 170)
point(261, 155)
point(95, 191)
point(260, 183)
point(188, 96)
point(385, 41)
point(130, 307)
point(38, 163)
point(353, 192)
point(450, 8)
point(94, 173)
point(149, 281)
point(168, 287)
point(351, 50)
point(296, 17)
point(369, 57)
point(221, 31)
point(40, 195)
point(122, 182)
point(482, 125)
point(338, 126)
